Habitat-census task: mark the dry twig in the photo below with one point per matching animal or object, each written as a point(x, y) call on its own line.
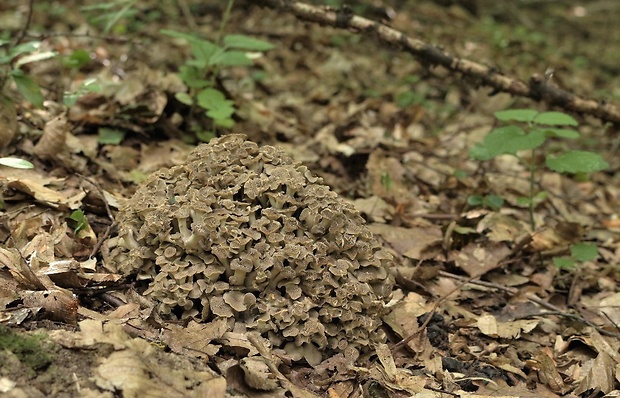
point(537, 87)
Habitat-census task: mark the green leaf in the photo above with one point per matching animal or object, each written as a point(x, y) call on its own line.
point(576, 162)
point(184, 98)
point(479, 152)
point(540, 197)
point(584, 251)
point(408, 98)
point(517, 115)
point(192, 77)
point(561, 133)
point(16, 163)
point(23, 48)
point(225, 122)
point(77, 59)
point(181, 35)
point(493, 202)
point(555, 119)
point(460, 174)
point(88, 86)
point(205, 136)
point(231, 58)
point(27, 87)
point(386, 181)
point(512, 139)
point(216, 104)
point(204, 53)
point(137, 176)
point(221, 113)
point(110, 136)
point(210, 98)
point(80, 220)
point(242, 42)
point(474, 200)
point(524, 201)
point(563, 262)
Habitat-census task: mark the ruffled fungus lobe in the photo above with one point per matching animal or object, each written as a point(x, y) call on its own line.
point(247, 234)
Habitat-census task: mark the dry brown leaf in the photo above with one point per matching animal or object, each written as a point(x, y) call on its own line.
point(382, 168)
point(418, 243)
point(51, 145)
point(561, 235)
point(46, 196)
point(130, 310)
point(403, 318)
point(376, 209)
point(477, 258)
point(257, 374)
point(610, 307)
point(490, 326)
point(602, 375)
point(397, 379)
point(521, 390)
point(606, 344)
point(501, 227)
point(137, 372)
point(21, 271)
point(59, 304)
point(196, 339)
point(8, 121)
point(547, 370)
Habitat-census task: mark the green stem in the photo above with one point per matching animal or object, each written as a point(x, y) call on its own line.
point(220, 35)
point(225, 18)
point(532, 167)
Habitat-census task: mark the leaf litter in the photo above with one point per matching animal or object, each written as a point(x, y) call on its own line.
point(483, 309)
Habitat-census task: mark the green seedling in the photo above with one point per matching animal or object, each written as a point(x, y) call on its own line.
point(579, 253)
point(200, 72)
point(78, 221)
point(531, 129)
point(492, 202)
point(528, 130)
point(12, 59)
point(109, 14)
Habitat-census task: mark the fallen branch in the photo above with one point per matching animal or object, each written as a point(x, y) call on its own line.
point(537, 88)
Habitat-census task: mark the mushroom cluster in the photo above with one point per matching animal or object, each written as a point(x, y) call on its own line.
point(245, 233)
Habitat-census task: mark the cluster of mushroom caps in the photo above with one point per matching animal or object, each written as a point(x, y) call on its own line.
point(245, 233)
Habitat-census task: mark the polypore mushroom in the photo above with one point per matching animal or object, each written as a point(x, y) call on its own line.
point(245, 233)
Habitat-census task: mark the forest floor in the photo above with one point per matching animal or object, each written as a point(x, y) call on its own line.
point(496, 300)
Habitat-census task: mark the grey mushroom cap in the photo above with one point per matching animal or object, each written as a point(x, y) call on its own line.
point(245, 233)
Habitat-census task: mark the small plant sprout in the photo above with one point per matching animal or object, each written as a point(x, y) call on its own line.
point(12, 58)
point(201, 71)
point(579, 252)
point(78, 221)
point(529, 130)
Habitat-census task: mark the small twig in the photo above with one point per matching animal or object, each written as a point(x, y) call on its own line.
point(538, 87)
point(108, 211)
point(112, 39)
point(22, 32)
point(553, 310)
point(429, 315)
point(187, 14)
point(575, 317)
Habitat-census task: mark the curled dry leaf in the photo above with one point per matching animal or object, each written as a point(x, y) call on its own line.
point(257, 374)
point(52, 144)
